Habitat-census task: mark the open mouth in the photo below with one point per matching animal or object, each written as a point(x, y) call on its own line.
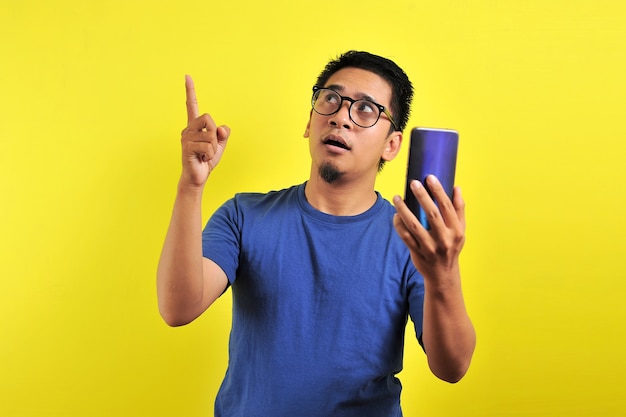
point(337, 142)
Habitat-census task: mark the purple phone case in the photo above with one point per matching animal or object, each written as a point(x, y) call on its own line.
point(432, 151)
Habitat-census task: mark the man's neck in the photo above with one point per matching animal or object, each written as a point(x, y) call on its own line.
point(341, 197)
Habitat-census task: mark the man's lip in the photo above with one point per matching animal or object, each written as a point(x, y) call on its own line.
point(335, 140)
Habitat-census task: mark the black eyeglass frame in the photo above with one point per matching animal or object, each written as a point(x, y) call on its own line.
point(381, 108)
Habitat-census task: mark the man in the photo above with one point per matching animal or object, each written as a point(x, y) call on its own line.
point(322, 283)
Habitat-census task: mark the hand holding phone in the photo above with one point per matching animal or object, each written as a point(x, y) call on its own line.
point(431, 151)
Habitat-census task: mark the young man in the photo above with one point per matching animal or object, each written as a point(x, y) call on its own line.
point(322, 283)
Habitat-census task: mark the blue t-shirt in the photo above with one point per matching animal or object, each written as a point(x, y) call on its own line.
point(320, 305)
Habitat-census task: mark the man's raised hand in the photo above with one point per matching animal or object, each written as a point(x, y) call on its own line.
point(202, 141)
point(435, 252)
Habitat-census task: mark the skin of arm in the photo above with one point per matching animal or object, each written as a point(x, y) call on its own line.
point(188, 283)
point(447, 333)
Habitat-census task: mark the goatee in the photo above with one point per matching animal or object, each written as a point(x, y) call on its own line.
point(329, 172)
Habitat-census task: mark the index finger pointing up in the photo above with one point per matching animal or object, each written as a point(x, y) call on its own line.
point(192, 101)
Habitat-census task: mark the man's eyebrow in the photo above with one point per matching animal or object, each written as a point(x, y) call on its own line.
point(360, 96)
point(338, 88)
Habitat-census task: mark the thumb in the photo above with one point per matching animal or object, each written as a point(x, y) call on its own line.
point(223, 132)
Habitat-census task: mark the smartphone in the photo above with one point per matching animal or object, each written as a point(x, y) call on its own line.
point(431, 151)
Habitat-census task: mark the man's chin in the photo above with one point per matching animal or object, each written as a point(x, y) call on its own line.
point(329, 172)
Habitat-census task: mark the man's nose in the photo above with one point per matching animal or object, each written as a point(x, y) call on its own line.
point(342, 117)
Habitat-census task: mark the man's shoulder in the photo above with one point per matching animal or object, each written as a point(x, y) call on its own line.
point(255, 202)
point(252, 197)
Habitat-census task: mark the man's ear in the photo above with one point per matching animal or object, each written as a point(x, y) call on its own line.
point(394, 142)
point(308, 125)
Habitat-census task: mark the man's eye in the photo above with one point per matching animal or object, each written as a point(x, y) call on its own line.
point(364, 106)
point(331, 97)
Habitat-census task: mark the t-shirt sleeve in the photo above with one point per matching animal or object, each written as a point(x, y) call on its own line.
point(221, 238)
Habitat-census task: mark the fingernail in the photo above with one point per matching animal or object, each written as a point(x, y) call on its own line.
point(432, 179)
point(415, 184)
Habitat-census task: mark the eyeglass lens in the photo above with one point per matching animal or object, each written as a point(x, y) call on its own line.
point(362, 112)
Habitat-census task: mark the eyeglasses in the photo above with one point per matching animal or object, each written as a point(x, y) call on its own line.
point(364, 113)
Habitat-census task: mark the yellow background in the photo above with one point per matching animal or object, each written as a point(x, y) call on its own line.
point(91, 108)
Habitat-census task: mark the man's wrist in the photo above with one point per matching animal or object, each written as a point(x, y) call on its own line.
point(189, 189)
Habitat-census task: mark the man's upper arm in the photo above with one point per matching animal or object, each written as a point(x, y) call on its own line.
point(215, 281)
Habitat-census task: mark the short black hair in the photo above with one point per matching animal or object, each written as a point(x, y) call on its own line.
point(401, 87)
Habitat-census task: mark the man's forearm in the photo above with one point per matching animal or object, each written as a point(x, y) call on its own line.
point(179, 274)
point(448, 334)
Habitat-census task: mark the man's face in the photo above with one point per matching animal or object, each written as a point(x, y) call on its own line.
point(339, 148)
